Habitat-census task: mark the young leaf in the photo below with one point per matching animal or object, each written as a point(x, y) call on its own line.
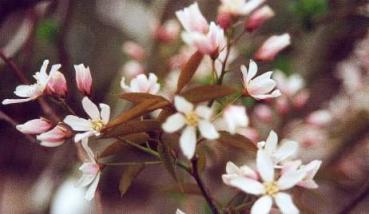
point(188, 70)
point(207, 92)
point(132, 127)
point(201, 160)
point(129, 174)
point(141, 97)
point(237, 141)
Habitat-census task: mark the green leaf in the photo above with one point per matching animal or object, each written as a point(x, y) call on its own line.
point(129, 174)
point(188, 70)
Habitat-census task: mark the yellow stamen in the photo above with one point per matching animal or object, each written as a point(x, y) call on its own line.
point(271, 188)
point(97, 125)
point(192, 118)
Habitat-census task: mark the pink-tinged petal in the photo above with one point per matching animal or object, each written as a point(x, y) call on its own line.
point(271, 142)
point(57, 83)
point(247, 171)
point(308, 184)
point(192, 19)
point(287, 149)
point(92, 188)
point(77, 123)
point(265, 166)
point(275, 93)
point(83, 79)
point(105, 112)
point(90, 108)
point(85, 180)
point(290, 178)
point(247, 185)
point(89, 168)
point(204, 112)
point(187, 142)
point(174, 123)
point(262, 205)
point(231, 168)
point(272, 46)
point(35, 126)
point(182, 105)
point(208, 130)
point(244, 75)
point(258, 18)
point(80, 136)
point(253, 69)
point(311, 169)
point(58, 134)
point(285, 203)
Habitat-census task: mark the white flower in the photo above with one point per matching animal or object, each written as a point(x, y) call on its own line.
point(90, 172)
point(286, 150)
point(235, 117)
point(90, 126)
point(310, 169)
point(234, 171)
point(35, 126)
point(192, 119)
point(269, 189)
point(142, 84)
point(272, 46)
point(239, 7)
point(192, 19)
point(261, 87)
point(289, 85)
point(32, 92)
point(209, 43)
point(178, 211)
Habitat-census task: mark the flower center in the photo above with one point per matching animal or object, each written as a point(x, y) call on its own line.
point(192, 118)
point(271, 188)
point(97, 125)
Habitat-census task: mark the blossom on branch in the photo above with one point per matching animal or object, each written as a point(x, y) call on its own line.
point(35, 126)
point(142, 84)
point(272, 46)
point(239, 7)
point(191, 118)
point(89, 127)
point(83, 79)
point(234, 118)
point(261, 87)
point(55, 137)
point(192, 19)
point(41, 87)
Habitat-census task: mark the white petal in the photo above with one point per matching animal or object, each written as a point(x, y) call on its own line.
point(92, 188)
point(88, 150)
point(262, 205)
point(204, 112)
point(174, 123)
point(182, 105)
point(208, 130)
point(290, 178)
point(271, 142)
point(85, 180)
point(231, 168)
point(27, 90)
point(265, 166)
point(51, 144)
point(105, 113)
point(187, 141)
point(287, 149)
point(77, 123)
point(91, 109)
point(81, 136)
point(13, 101)
point(253, 68)
point(285, 203)
point(247, 185)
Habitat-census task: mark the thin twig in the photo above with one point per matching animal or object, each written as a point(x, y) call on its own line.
point(351, 206)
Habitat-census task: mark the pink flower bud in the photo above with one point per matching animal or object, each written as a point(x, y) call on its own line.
point(319, 118)
point(282, 105)
point(250, 133)
point(83, 79)
point(263, 113)
point(55, 136)
point(167, 32)
point(272, 46)
point(57, 84)
point(35, 126)
point(258, 18)
point(224, 20)
point(134, 50)
point(192, 19)
point(301, 98)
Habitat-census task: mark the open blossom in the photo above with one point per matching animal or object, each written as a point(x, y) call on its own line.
point(192, 19)
point(233, 171)
point(310, 169)
point(258, 18)
point(272, 46)
point(235, 117)
point(33, 91)
point(191, 118)
point(290, 85)
point(269, 188)
point(83, 79)
point(280, 153)
point(55, 137)
point(90, 172)
point(209, 43)
point(93, 125)
point(239, 7)
point(142, 84)
point(35, 126)
point(261, 87)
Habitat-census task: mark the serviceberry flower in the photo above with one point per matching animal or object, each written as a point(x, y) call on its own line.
point(311, 169)
point(57, 84)
point(233, 171)
point(91, 172)
point(280, 153)
point(191, 118)
point(269, 188)
point(92, 126)
point(290, 85)
point(261, 87)
point(272, 46)
point(192, 19)
point(33, 91)
point(258, 18)
point(142, 84)
point(83, 79)
point(55, 137)
point(234, 118)
point(35, 126)
point(239, 7)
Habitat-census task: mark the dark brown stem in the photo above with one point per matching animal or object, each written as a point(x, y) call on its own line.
point(196, 176)
point(356, 201)
point(12, 122)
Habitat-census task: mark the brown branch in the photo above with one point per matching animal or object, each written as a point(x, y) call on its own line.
point(351, 206)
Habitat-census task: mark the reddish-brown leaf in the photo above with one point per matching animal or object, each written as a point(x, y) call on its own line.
point(133, 126)
point(207, 92)
point(188, 70)
point(236, 141)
